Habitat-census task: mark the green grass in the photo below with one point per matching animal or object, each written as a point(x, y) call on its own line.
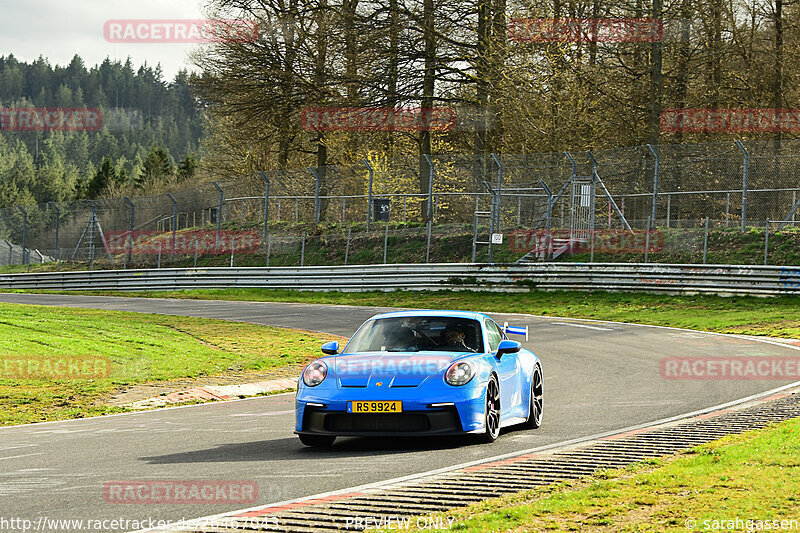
point(725, 246)
point(450, 243)
point(748, 476)
point(142, 348)
point(326, 244)
point(775, 317)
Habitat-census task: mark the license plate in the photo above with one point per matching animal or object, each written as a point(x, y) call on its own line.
point(375, 407)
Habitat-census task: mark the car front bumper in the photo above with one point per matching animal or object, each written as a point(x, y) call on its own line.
point(462, 412)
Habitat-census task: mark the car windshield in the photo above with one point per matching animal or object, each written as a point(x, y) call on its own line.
point(417, 333)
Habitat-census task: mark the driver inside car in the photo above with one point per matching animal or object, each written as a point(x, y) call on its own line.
point(455, 338)
point(402, 340)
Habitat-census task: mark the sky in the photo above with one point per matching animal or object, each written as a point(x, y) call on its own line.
point(59, 29)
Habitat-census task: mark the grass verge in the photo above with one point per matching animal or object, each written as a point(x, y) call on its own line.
point(142, 348)
point(326, 244)
point(752, 476)
point(774, 317)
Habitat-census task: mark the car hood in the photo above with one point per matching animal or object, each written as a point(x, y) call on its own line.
point(390, 369)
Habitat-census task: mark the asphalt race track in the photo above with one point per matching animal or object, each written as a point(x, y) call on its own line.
point(599, 378)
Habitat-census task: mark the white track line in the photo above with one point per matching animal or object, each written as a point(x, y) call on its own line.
point(546, 317)
point(157, 410)
point(581, 326)
point(550, 447)
point(562, 444)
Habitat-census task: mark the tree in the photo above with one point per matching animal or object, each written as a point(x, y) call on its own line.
point(104, 176)
point(157, 166)
point(187, 168)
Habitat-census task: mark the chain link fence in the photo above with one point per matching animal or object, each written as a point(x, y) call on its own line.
point(437, 208)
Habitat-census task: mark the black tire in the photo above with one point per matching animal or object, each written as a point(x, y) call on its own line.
point(536, 402)
point(317, 441)
point(491, 411)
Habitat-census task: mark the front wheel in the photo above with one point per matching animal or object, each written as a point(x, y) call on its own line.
point(535, 410)
point(492, 411)
point(317, 441)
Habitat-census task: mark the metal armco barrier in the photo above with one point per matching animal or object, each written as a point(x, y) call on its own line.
point(671, 279)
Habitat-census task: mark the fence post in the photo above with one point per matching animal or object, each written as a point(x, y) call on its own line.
point(303, 251)
point(195, 252)
point(669, 208)
point(10, 253)
point(347, 248)
point(219, 214)
point(548, 219)
point(130, 228)
point(766, 243)
point(369, 192)
point(705, 244)
point(269, 248)
point(233, 247)
point(491, 220)
point(25, 257)
point(474, 235)
point(429, 210)
point(385, 242)
point(58, 217)
point(745, 176)
point(266, 204)
point(656, 170)
point(498, 196)
point(316, 194)
point(647, 241)
point(159, 255)
point(174, 223)
point(428, 246)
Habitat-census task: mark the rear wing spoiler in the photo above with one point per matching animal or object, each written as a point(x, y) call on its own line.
point(515, 330)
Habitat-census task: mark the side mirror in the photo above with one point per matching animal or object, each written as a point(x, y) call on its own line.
point(330, 348)
point(507, 346)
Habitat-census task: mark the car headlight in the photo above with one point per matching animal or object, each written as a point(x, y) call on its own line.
point(315, 373)
point(459, 374)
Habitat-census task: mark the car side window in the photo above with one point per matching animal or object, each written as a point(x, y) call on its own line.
point(494, 335)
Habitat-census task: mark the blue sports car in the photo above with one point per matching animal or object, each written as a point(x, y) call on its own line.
point(420, 373)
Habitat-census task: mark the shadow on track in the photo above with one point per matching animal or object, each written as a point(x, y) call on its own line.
point(291, 448)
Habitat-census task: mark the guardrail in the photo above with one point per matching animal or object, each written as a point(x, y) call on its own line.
point(674, 279)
